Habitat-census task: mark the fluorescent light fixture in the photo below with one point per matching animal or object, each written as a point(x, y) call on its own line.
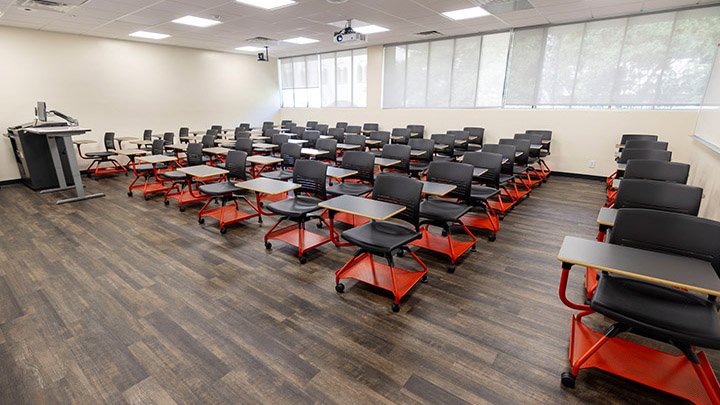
point(196, 21)
point(301, 40)
point(249, 49)
point(149, 35)
point(464, 14)
point(268, 4)
point(370, 29)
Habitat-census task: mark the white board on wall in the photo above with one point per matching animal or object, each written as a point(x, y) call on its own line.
point(707, 128)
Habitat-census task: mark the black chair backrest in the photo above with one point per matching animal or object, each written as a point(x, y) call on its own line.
point(486, 160)
point(637, 137)
point(322, 128)
point(290, 127)
point(477, 132)
point(147, 135)
point(109, 141)
point(242, 134)
point(211, 131)
point(417, 129)
point(311, 125)
point(299, 131)
point(194, 154)
point(310, 175)
point(403, 191)
point(458, 174)
point(362, 162)
point(244, 126)
point(546, 136)
point(337, 133)
point(208, 141)
point(342, 125)
point(657, 170)
point(158, 147)
point(521, 145)
point(169, 138)
point(668, 232)
point(403, 132)
point(646, 145)
point(235, 165)
point(289, 153)
point(355, 139)
point(534, 139)
point(184, 131)
point(647, 154)
point(279, 139)
point(285, 123)
point(329, 145)
point(399, 152)
point(268, 124)
point(244, 144)
point(217, 128)
point(444, 139)
point(659, 195)
point(370, 126)
point(311, 136)
point(460, 136)
point(353, 129)
point(426, 145)
point(382, 136)
point(507, 152)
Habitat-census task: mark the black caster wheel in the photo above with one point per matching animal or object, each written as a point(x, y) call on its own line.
point(147, 198)
point(340, 287)
point(473, 248)
point(492, 238)
point(567, 379)
point(444, 233)
point(262, 204)
point(451, 268)
point(166, 202)
point(181, 208)
point(303, 260)
point(201, 221)
point(424, 279)
point(268, 245)
point(260, 220)
point(129, 193)
point(501, 217)
point(400, 253)
point(395, 307)
point(319, 225)
point(223, 231)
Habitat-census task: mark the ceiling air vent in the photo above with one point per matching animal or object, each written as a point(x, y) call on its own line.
point(49, 5)
point(426, 34)
point(263, 41)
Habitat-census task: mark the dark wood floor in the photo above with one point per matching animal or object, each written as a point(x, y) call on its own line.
point(124, 300)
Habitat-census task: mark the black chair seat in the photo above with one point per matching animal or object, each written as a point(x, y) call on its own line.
point(100, 154)
point(145, 167)
point(519, 169)
point(418, 167)
point(222, 188)
point(459, 152)
point(283, 174)
point(544, 153)
point(532, 161)
point(296, 206)
point(504, 178)
point(658, 310)
point(478, 192)
point(377, 153)
point(444, 158)
point(381, 236)
point(356, 189)
point(443, 210)
point(174, 175)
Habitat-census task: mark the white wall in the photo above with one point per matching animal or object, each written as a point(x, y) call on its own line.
point(125, 86)
point(579, 136)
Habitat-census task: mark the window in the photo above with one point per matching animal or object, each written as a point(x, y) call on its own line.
point(453, 73)
point(337, 79)
point(645, 61)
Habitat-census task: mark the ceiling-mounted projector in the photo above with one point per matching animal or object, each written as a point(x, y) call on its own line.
point(348, 36)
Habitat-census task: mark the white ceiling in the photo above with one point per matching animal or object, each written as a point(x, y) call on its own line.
point(308, 18)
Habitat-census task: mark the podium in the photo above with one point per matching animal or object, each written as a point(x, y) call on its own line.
point(57, 136)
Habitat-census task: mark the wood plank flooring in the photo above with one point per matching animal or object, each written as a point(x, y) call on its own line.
point(121, 300)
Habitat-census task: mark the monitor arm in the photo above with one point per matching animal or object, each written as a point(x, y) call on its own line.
point(72, 121)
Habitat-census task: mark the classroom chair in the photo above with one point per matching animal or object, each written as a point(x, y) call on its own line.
point(447, 212)
point(510, 194)
point(311, 125)
point(337, 133)
point(330, 145)
point(398, 152)
point(289, 153)
point(647, 154)
point(403, 133)
point(310, 174)
point(242, 134)
point(522, 169)
point(225, 191)
point(244, 127)
point(267, 126)
point(637, 137)
point(353, 129)
point(635, 144)
point(360, 184)
point(341, 125)
point(383, 137)
point(106, 156)
point(181, 181)
point(488, 188)
point(657, 170)
point(371, 127)
point(311, 136)
point(461, 142)
point(416, 131)
point(420, 163)
point(666, 314)
point(322, 128)
point(448, 153)
point(285, 123)
point(183, 133)
point(384, 238)
point(535, 156)
point(479, 134)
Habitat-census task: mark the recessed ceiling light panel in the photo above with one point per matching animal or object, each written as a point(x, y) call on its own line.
point(466, 13)
point(249, 49)
point(301, 40)
point(268, 4)
point(370, 29)
point(149, 35)
point(196, 21)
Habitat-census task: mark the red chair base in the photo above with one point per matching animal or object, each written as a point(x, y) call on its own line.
point(296, 236)
point(502, 206)
point(444, 244)
point(102, 171)
point(227, 214)
point(666, 372)
point(398, 281)
point(184, 197)
point(490, 222)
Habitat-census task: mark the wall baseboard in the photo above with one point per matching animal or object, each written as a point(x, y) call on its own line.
point(9, 182)
point(578, 176)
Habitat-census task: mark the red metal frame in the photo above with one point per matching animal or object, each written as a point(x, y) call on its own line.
point(296, 235)
point(673, 374)
point(445, 245)
point(491, 221)
point(229, 214)
point(100, 171)
point(398, 281)
point(191, 196)
point(500, 205)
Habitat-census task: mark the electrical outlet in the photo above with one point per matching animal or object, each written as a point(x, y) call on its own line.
point(592, 164)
